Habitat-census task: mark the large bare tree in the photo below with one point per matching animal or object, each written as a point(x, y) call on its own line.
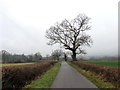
point(71, 34)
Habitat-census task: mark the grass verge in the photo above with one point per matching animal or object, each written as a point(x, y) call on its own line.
point(46, 79)
point(98, 80)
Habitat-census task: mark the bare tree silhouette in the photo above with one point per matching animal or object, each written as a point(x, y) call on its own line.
point(71, 34)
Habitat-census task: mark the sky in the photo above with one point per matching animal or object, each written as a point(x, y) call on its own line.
point(23, 24)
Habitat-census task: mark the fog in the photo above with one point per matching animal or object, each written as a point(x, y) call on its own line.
point(23, 24)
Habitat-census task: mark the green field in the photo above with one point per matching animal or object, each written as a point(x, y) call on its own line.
point(14, 64)
point(107, 63)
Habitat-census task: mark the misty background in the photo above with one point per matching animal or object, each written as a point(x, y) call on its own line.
point(23, 24)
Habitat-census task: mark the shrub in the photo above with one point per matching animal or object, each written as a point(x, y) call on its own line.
point(110, 74)
point(19, 76)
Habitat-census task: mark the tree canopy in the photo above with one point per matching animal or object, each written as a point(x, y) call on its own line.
point(71, 34)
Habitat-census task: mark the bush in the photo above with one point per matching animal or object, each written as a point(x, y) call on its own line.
point(111, 74)
point(19, 76)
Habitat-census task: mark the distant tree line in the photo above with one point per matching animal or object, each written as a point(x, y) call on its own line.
point(19, 58)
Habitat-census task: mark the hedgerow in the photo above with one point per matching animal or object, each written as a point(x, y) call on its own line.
point(19, 76)
point(110, 74)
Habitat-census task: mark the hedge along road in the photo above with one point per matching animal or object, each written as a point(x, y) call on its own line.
point(68, 77)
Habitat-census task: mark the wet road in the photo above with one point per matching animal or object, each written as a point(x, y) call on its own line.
point(68, 77)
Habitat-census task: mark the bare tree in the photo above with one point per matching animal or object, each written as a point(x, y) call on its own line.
point(47, 56)
point(56, 54)
point(37, 56)
point(65, 56)
point(71, 34)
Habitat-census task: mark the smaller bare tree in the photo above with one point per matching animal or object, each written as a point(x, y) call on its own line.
point(65, 56)
point(47, 56)
point(56, 54)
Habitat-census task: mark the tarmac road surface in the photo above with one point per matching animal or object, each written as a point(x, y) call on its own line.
point(68, 77)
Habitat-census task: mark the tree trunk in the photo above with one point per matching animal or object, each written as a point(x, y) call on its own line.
point(58, 58)
point(65, 57)
point(74, 56)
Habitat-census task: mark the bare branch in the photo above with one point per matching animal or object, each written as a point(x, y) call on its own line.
point(71, 34)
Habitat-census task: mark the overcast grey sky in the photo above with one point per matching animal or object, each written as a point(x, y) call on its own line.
point(23, 24)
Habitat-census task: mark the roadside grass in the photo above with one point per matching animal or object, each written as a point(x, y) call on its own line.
point(46, 80)
point(98, 80)
point(15, 64)
point(107, 63)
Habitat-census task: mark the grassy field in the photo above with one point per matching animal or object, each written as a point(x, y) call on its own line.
point(96, 79)
point(107, 63)
point(46, 79)
point(13, 64)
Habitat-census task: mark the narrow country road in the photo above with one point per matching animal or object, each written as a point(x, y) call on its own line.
point(68, 77)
